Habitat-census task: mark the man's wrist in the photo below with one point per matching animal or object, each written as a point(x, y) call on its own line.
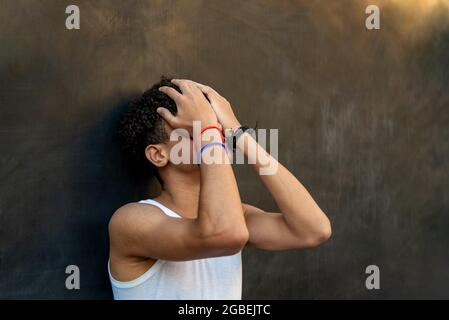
point(234, 135)
point(211, 135)
point(212, 139)
point(233, 126)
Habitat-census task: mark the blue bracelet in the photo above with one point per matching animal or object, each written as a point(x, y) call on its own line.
point(210, 144)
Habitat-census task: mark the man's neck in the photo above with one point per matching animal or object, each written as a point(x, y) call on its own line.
point(181, 192)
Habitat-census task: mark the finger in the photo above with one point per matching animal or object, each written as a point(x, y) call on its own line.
point(189, 87)
point(171, 92)
point(211, 94)
point(184, 85)
point(167, 116)
point(204, 88)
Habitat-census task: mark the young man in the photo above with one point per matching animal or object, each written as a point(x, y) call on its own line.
point(186, 243)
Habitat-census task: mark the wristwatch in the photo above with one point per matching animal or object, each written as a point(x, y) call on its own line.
point(236, 135)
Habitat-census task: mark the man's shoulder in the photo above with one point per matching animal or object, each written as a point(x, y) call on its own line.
point(131, 214)
point(131, 207)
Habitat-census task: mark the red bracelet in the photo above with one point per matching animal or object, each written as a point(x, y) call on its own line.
point(214, 127)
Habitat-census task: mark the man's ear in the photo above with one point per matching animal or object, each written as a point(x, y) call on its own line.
point(157, 154)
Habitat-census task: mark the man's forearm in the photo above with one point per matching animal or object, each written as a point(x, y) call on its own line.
point(301, 212)
point(220, 209)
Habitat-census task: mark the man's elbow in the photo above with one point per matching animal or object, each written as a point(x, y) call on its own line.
point(320, 235)
point(225, 240)
point(235, 241)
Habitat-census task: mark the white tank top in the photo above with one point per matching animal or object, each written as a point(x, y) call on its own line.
point(211, 278)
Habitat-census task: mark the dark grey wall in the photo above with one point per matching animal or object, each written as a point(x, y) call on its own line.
point(363, 119)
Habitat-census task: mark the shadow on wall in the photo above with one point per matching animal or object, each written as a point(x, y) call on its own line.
point(104, 182)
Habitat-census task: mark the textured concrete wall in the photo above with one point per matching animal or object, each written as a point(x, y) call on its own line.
point(363, 119)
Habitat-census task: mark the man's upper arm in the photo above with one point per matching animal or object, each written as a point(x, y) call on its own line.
point(143, 230)
point(269, 230)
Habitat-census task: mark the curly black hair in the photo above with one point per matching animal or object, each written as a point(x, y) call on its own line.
point(141, 125)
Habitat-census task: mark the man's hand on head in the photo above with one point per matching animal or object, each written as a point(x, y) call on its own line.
point(221, 106)
point(192, 106)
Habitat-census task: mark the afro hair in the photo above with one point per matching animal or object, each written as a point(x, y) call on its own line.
point(141, 125)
